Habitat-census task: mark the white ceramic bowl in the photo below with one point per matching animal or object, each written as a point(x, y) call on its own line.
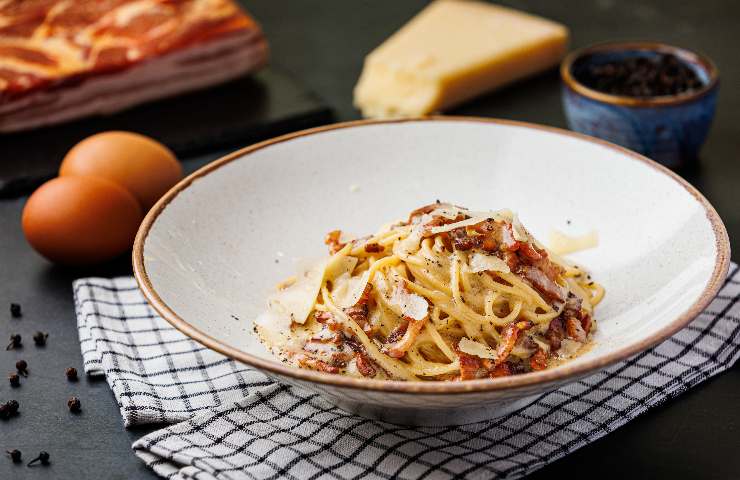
point(213, 248)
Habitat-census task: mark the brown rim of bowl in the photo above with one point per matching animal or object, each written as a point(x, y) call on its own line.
point(432, 387)
point(687, 55)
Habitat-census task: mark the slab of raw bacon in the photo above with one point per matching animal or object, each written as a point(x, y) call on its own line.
point(65, 59)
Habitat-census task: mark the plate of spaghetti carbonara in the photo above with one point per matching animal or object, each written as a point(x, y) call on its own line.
point(549, 257)
point(445, 294)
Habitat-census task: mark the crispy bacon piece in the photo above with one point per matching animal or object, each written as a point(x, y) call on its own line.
point(511, 244)
point(421, 211)
point(397, 332)
point(512, 260)
point(489, 243)
point(358, 313)
point(543, 283)
point(489, 231)
point(364, 364)
point(555, 334)
point(551, 269)
point(484, 227)
point(586, 323)
point(538, 361)
point(529, 251)
point(572, 306)
point(438, 221)
point(335, 346)
point(327, 335)
point(315, 364)
point(333, 242)
point(399, 348)
point(366, 297)
point(446, 240)
point(575, 330)
point(461, 240)
point(327, 319)
point(373, 248)
point(577, 322)
point(501, 370)
point(508, 340)
point(471, 366)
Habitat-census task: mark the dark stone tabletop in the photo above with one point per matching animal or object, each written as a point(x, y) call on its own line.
point(322, 45)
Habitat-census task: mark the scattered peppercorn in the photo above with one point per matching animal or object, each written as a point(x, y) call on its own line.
point(9, 409)
point(15, 342)
point(71, 373)
point(15, 310)
point(39, 338)
point(14, 379)
point(43, 458)
point(14, 455)
point(22, 367)
point(74, 405)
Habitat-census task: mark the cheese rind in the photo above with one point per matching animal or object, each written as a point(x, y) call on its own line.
point(452, 51)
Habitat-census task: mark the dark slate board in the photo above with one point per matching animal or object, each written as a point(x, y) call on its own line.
point(235, 114)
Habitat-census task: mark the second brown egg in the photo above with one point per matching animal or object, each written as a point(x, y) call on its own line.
point(141, 165)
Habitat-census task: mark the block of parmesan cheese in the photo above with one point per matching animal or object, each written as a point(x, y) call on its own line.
point(452, 51)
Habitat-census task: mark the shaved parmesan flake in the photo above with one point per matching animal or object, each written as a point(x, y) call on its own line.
point(340, 266)
point(480, 262)
point(520, 233)
point(471, 347)
point(520, 350)
point(409, 245)
point(562, 244)
point(297, 300)
point(355, 288)
point(464, 223)
point(451, 212)
point(448, 211)
point(411, 305)
point(272, 321)
point(568, 348)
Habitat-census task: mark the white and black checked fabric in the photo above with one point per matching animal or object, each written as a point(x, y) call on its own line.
point(157, 374)
point(276, 432)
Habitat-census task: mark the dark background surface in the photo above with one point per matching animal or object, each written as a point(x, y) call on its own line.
point(322, 44)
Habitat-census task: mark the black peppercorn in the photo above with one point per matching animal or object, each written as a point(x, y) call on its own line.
point(43, 458)
point(14, 379)
point(4, 411)
point(15, 342)
point(74, 404)
point(22, 367)
point(14, 455)
point(13, 407)
point(39, 338)
point(15, 310)
point(71, 373)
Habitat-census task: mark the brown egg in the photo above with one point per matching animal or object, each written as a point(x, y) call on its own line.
point(143, 166)
point(81, 220)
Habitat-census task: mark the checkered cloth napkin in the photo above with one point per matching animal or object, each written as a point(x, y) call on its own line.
point(235, 423)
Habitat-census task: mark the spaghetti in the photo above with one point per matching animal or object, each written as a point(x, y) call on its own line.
point(449, 294)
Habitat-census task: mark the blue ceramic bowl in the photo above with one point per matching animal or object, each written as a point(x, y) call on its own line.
point(668, 129)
